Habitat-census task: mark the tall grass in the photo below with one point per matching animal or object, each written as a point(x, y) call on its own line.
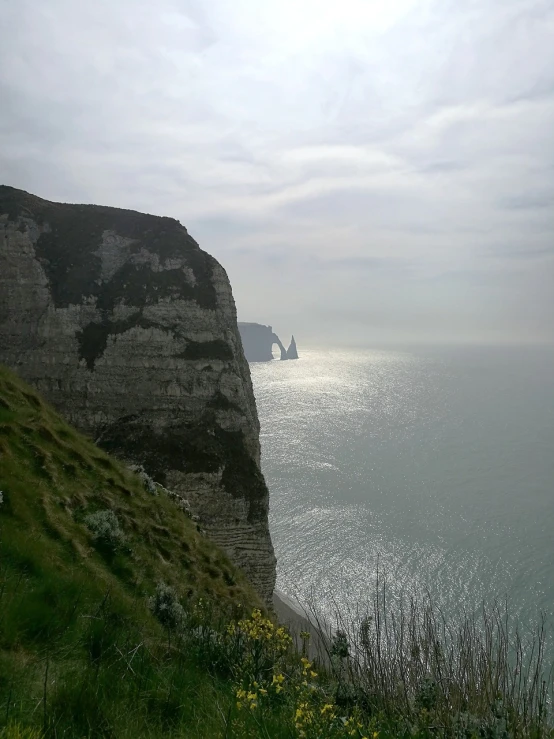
point(473, 674)
point(105, 674)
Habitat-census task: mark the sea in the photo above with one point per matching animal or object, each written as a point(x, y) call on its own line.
point(432, 468)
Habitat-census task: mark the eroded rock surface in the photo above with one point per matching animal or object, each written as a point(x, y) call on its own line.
point(130, 330)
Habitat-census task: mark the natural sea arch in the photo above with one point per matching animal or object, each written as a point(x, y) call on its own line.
point(277, 341)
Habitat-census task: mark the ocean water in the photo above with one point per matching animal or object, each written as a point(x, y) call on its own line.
point(435, 466)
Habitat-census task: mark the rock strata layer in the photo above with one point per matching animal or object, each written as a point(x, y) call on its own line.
point(130, 330)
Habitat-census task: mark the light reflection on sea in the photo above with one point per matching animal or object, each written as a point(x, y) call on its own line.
point(436, 467)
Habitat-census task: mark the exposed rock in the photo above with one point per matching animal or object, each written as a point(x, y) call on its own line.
point(258, 340)
point(292, 352)
point(277, 340)
point(129, 329)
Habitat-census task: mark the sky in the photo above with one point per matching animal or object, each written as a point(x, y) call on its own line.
point(368, 172)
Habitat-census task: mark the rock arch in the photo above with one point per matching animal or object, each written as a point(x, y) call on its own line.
point(276, 340)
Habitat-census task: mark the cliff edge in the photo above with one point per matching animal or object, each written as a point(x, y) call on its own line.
point(129, 329)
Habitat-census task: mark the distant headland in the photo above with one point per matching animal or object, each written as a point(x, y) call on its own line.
point(258, 341)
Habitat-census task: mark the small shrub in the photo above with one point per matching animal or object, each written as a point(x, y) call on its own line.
point(165, 605)
point(428, 694)
point(149, 484)
point(340, 647)
point(105, 528)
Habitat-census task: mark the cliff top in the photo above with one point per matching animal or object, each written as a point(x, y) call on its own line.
point(71, 235)
point(18, 203)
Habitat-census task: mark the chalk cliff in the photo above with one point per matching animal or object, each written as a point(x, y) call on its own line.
point(130, 330)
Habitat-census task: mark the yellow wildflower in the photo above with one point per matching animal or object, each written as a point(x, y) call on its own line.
point(328, 710)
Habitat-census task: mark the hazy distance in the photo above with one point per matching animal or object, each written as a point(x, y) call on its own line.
point(368, 172)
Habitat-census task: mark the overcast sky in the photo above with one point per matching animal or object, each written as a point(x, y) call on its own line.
point(367, 171)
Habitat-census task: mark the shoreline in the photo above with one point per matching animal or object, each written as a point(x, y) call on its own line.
point(290, 613)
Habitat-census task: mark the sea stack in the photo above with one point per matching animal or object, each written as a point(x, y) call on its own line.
point(292, 352)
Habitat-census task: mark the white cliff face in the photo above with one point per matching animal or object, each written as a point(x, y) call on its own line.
point(130, 330)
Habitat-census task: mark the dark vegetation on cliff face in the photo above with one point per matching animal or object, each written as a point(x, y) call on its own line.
point(216, 349)
point(93, 339)
point(76, 231)
point(68, 247)
point(202, 447)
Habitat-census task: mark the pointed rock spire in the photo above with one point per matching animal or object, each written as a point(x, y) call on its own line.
point(292, 352)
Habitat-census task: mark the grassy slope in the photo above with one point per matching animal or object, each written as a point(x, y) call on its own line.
point(62, 596)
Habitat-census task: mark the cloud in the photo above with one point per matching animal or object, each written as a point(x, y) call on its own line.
point(389, 160)
point(528, 201)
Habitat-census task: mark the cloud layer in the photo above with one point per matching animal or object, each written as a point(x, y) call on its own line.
point(367, 171)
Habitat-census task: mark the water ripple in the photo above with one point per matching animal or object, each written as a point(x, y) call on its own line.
point(436, 468)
